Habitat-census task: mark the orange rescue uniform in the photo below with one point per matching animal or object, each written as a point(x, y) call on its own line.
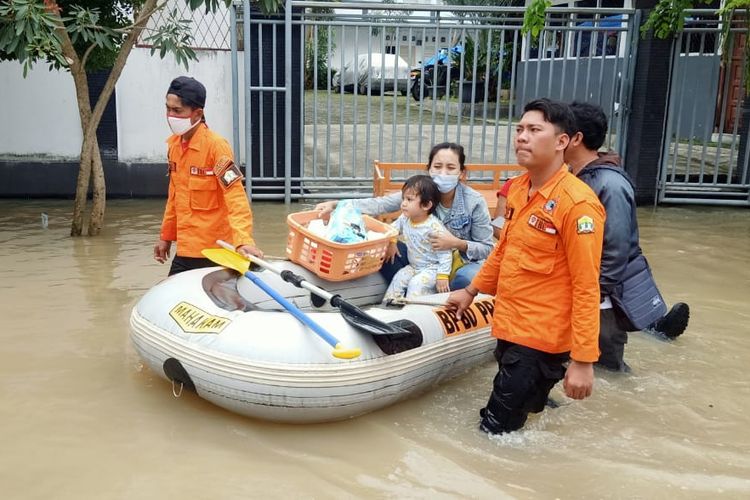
point(207, 200)
point(544, 271)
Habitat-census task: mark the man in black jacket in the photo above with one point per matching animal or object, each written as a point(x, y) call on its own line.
point(605, 176)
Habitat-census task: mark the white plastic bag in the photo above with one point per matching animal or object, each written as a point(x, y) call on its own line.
point(346, 224)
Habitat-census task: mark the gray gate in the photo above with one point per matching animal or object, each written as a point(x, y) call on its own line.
point(371, 81)
point(704, 159)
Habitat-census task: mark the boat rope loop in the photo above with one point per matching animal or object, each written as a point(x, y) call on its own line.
point(177, 374)
point(175, 393)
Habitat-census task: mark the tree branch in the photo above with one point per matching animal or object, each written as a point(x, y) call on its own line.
point(119, 65)
point(86, 55)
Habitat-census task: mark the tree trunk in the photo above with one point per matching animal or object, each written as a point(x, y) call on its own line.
point(82, 190)
point(91, 160)
point(99, 192)
point(87, 151)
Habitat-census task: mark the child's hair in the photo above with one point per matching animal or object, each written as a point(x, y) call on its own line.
point(425, 188)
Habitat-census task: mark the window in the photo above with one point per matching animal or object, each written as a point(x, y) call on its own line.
point(403, 38)
point(387, 37)
point(442, 39)
point(419, 43)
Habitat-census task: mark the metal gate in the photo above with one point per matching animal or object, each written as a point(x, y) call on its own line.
point(330, 88)
point(705, 158)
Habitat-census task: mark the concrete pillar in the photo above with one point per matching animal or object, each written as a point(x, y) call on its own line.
point(648, 109)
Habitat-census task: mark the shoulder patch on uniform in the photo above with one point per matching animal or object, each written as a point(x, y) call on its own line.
point(227, 172)
point(585, 225)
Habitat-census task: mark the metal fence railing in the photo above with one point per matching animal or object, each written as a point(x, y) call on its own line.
point(371, 81)
point(209, 30)
point(705, 156)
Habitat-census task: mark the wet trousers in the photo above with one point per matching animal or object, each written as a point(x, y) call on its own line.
point(181, 264)
point(523, 381)
point(612, 340)
point(462, 278)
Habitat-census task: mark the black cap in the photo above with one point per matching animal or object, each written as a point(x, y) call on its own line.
point(191, 91)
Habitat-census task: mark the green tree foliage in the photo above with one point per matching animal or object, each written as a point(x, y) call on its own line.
point(317, 40)
point(535, 17)
point(488, 45)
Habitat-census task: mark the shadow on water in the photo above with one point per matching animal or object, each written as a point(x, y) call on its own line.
point(81, 416)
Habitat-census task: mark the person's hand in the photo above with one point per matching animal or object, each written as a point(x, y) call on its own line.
point(391, 252)
point(443, 240)
point(579, 380)
point(161, 251)
point(459, 301)
point(246, 250)
point(325, 209)
point(442, 285)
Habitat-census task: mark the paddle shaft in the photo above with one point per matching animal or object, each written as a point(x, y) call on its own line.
point(294, 310)
point(351, 313)
point(405, 301)
point(296, 279)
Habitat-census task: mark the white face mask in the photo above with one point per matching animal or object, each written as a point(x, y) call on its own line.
point(445, 183)
point(180, 126)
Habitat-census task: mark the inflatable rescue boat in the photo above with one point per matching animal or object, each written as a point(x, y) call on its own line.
point(217, 333)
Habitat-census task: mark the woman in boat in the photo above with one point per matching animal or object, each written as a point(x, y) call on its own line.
point(462, 211)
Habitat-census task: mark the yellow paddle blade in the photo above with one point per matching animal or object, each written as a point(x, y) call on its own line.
point(227, 258)
point(343, 353)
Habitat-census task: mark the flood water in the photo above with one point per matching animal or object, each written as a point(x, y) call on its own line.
point(82, 418)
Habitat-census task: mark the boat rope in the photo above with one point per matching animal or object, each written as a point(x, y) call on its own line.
point(174, 392)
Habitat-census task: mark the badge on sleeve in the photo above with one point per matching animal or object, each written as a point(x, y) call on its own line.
point(585, 225)
point(227, 172)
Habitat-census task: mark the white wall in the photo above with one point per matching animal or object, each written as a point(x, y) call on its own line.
point(141, 120)
point(40, 113)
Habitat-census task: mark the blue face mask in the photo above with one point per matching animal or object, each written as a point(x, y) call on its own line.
point(445, 183)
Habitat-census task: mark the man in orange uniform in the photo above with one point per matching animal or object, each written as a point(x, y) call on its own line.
point(544, 273)
point(207, 200)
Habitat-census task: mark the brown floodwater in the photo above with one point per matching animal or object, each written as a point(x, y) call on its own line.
point(81, 417)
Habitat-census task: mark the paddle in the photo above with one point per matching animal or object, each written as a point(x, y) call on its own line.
point(402, 301)
point(238, 263)
point(351, 313)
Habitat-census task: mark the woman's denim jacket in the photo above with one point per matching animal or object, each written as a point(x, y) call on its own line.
point(468, 219)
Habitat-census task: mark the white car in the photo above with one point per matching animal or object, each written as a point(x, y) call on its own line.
point(372, 71)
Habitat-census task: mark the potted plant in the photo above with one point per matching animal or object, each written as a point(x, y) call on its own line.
point(471, 87)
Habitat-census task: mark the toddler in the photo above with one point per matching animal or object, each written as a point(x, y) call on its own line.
point(428, 270)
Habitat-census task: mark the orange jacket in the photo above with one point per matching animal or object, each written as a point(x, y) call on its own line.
point(207, 200)
point(544, 271)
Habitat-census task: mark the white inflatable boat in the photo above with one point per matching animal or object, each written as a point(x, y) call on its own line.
point(215, 332)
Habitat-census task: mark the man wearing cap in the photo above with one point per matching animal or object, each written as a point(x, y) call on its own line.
point(206, 200)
